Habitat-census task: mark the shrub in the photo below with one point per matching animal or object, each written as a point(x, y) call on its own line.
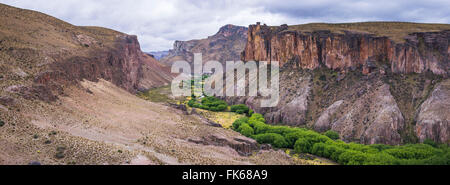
point(430, 142)
point(246, 130)
point(332, 134)
point(260, 127)
point(240, 109)
point(250, 112)
point(282, 130)
point(275, 140)
point(257, 117)
point(239, 122)
point(412, 151)
point(329, 146)
point(352, 157)
point(209, 103)
point(2, 123)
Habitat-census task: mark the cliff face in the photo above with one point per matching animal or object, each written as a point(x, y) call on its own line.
point(349, 49)
point(49, 54)
point(364, 82)
point(433, 119)
point(226, 45)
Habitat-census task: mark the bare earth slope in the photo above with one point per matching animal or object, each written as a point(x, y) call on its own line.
point(103, 124)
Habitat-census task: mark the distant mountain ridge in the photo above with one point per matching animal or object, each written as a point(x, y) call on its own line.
point(226, 45)
point(158, 54)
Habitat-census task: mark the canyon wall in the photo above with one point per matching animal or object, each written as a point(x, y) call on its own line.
point(349, 50)
point(370, 87)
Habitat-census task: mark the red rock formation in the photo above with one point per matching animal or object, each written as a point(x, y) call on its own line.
point(420, 51)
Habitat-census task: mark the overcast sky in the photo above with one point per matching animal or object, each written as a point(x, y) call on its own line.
point(159, 23)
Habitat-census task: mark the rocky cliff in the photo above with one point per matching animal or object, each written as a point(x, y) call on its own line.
point(40, 55)
point(415, 48)
point(226, 45)
point(371, 82)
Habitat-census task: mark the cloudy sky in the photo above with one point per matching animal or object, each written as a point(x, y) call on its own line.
point(159, 23)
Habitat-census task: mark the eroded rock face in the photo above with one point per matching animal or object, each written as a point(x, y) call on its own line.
point(326, 118)
point(295, 89)
point(420, 51)
point(226, 45)
point(124, 65)
point(433, 117)
point(373, 118)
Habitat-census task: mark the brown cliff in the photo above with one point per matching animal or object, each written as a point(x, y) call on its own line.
point(416, 48)
point(367, 81)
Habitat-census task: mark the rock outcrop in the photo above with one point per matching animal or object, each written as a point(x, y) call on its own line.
point(372, 118)
point(226, 45)
point(419, 52)
point(433, 117)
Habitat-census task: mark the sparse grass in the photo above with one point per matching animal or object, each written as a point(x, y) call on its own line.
point(159, 95)
point(225, 119)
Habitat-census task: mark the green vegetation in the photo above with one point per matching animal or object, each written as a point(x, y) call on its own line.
point(241, 109)
point(327, 145)
point(332, 134)
point(209, 103)
point(2, 123)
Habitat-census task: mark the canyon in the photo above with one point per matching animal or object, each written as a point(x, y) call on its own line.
point(366, 83)
point(70, 94)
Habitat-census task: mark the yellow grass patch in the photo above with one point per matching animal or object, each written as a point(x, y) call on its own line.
point(225, 119)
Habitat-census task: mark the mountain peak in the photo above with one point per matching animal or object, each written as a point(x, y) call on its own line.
point(230, 30)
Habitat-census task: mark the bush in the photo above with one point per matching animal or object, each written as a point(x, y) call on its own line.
point(275, 140)
point(260, 127)
point(209, 103)
point(412, 151)
point(239, 122)
point(351, 157)
point(329, 146)
point(332, 134)
point(430, 142)
point(240, 109)
point(302, 146)
point(2, 123)
point(246, 130)
point(250, 112)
